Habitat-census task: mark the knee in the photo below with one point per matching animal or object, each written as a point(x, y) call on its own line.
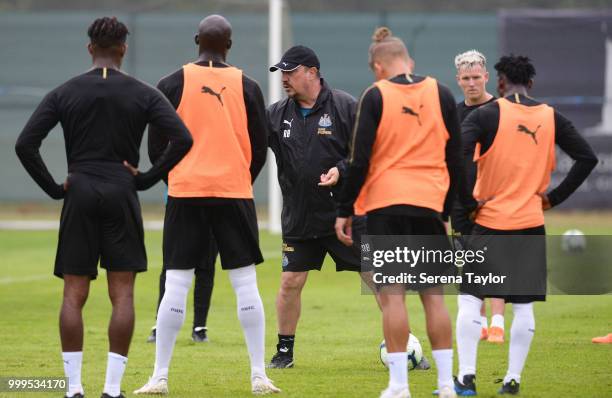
point(524, 313)
point(390, 299)
point(123, 297)
point(468, 304)
point(179, 280)
point(75, 298)
point(292, 282)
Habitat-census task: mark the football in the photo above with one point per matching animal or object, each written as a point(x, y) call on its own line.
point(414, 350)
point(573, 241)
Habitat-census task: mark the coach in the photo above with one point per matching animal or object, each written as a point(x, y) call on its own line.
point(309, 134)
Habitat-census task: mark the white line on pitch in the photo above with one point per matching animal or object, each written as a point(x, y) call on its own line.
point(9, 280)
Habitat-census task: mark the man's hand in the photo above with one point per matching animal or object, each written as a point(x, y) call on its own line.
point(131, 168)
point(344, 230)
point(330, 178)
point(545, 201)
point(481, 203)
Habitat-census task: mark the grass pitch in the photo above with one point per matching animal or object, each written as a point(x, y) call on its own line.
point(336, 343)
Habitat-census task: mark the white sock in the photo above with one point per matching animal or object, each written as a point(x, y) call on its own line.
point(170, 318)
point(444, 363)
point(398, 370)
point(483, 321)
point(251, 315)
point(72, 369)
point(497, 321)
point(114, 373)
point(468, 333)
point(521, 334)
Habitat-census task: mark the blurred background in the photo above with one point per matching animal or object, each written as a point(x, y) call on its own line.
point(43, 43)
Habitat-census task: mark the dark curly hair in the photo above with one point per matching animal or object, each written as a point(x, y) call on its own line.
point(518, 69)
point(107, 32)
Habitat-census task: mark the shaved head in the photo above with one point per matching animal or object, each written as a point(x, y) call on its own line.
point(214, 35)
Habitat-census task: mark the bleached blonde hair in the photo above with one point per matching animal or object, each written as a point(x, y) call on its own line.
point(469, 59)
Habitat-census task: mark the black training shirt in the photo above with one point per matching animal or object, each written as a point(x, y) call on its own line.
point(103, 119)
point(459, 218)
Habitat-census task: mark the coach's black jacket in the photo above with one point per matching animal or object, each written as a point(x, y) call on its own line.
point(305, 148)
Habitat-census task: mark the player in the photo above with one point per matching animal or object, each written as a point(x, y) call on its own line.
point(516, 137)
point(210, 194)
point(406, 135)
point(309, 134)
point(103, 113)
point(472, 78)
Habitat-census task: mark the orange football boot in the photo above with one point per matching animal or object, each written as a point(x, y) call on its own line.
point(496, 335)
point(603, 339)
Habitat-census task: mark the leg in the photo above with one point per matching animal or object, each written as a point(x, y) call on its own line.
point(76, 290)
point(121, 293)
point(366, 277)
point(498, 306)
point(162, 289)
point(483, 309)
point(521, 335)
point(440, 334)
point(468, 331)
point(120, 329)
point(288, 309)
point(204, 283)
point(484, 328)
point(252, 319)
point(496, 331)
point(288, 301)
point(170, 318)
point(395, 330)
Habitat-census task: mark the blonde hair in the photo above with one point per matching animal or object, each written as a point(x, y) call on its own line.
point(386, 47)
point(469, 59)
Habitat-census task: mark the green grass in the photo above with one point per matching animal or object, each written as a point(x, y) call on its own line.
point(336, 345)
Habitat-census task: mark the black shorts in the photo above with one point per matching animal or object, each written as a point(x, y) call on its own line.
point(426, 228)
point(307, 255)
point(100, 221)
point(191, 223)
point(509, 256)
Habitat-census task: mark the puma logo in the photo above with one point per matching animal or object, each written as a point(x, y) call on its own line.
point(409, 111)
point(208, 90)
point(288, 122)
point(525, 130)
